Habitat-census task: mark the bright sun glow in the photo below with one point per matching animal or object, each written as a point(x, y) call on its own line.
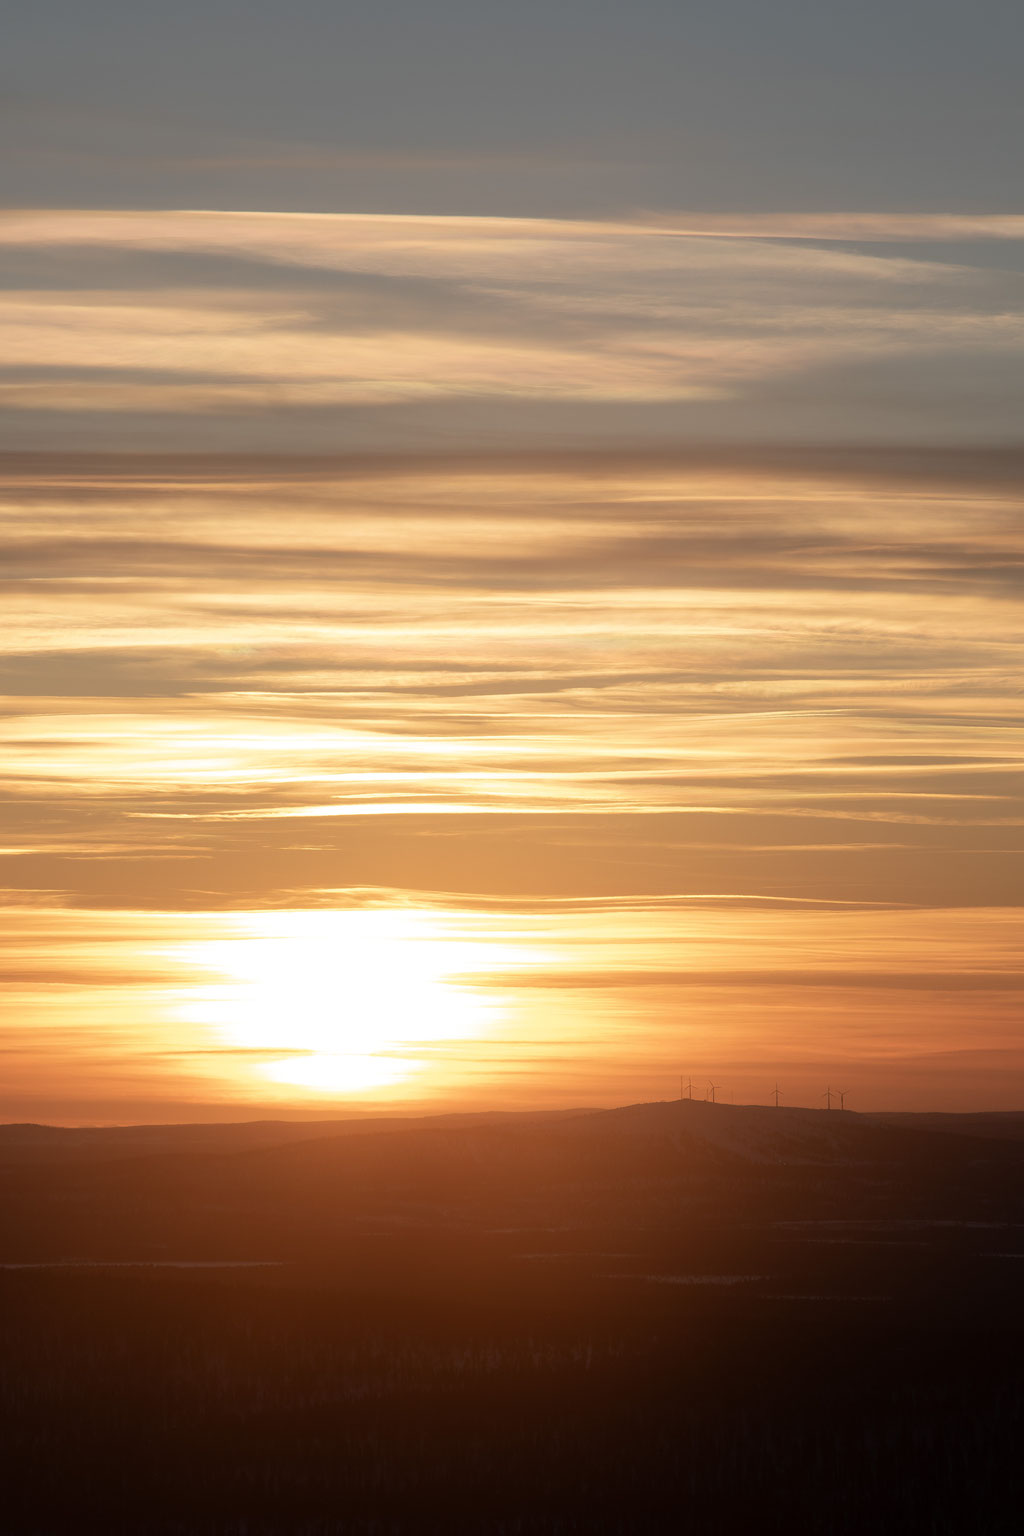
point(352, 1000)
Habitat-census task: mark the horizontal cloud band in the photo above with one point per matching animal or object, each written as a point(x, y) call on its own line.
point(297, 326)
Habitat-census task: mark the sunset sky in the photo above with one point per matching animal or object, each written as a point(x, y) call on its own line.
point(512, 556)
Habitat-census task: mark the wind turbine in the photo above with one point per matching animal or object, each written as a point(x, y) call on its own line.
point(712, 1089)
point(689, 1088)
point(841, 1095)
point(775, 1091)
point(828, 1096)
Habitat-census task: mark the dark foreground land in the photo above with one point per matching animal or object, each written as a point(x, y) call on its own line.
point(671, 1317)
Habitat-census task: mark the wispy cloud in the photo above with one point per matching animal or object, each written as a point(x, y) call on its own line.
point(881, 227)
point(705, 746)
point(329, 313)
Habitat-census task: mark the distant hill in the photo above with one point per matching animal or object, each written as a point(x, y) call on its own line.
point(26, 1142)
point(748, 1130)
point(264, 1191)
point(999, 1125)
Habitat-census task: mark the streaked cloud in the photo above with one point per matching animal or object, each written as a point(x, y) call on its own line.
point(704, 754)
point(851, 226)
point(289, 323)
point(625, 756)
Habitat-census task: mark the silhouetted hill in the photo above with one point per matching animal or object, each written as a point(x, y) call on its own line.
point(658, 1165)
point(753, 1131)
point(27, 1142)
point(995, 1125)
point(611, 1322)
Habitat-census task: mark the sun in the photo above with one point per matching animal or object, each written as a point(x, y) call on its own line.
point(351, 1000)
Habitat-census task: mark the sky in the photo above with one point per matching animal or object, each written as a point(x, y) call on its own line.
point(547, 107)
point(512, 556)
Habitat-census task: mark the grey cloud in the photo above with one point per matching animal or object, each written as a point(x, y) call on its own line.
point(244, 477)
point(525, 332)
point(679, 551)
